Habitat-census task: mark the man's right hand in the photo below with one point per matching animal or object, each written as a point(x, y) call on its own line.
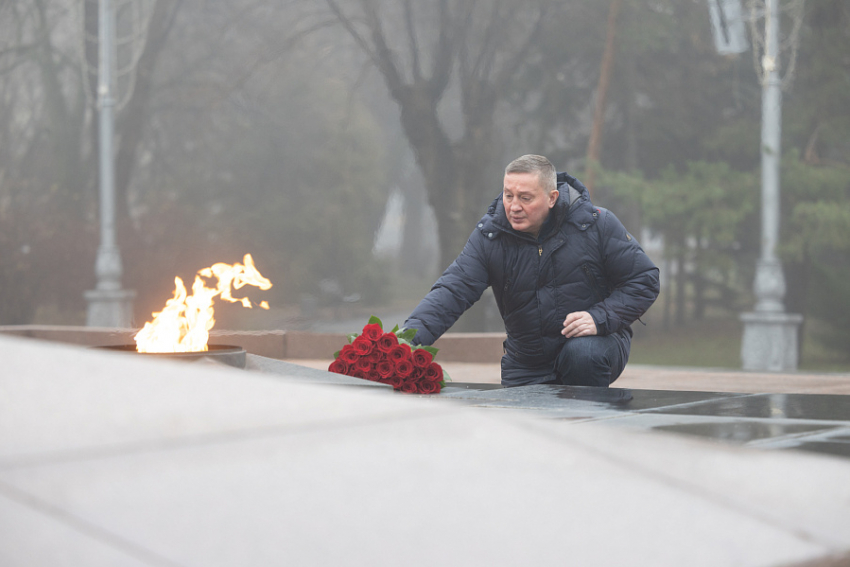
point(579, 324)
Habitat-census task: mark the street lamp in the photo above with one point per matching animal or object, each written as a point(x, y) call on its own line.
point(770, 334)
point(108, 304)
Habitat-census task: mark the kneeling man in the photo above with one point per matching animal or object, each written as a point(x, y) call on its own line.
point(568, 279)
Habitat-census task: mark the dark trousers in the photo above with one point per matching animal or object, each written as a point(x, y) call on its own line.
point(592, 361)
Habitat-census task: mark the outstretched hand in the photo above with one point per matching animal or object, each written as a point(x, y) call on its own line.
point(579, 324)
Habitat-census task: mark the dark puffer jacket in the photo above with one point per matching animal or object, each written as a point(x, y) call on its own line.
point(583, 260)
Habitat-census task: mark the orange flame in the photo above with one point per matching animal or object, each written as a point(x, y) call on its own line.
point(184, 324)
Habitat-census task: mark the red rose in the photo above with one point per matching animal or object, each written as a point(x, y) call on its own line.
point(348, 354)
point(383, 357)
point(372, 332)
point(421, 358)
point(387, 342)
point(426, 387)
point(362, 346)
point(400, 352)
point(385, 368)
point(434, 372)
point(404, 368)
point(338, 366)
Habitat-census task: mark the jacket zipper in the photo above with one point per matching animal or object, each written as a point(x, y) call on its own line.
point(537, 293)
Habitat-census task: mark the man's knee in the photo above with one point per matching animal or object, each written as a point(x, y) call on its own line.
point(591, 361)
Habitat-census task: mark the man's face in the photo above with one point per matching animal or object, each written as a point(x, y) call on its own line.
point(526, 203)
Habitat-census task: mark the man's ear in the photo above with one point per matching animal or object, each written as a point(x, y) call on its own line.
point(553, 197)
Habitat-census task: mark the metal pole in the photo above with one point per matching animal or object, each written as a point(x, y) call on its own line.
point(108, 266)
point(109, 305)
point(770, 334)
point(770, 282)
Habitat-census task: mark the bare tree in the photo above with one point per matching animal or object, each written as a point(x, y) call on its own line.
point(48, 176)
point(419, 48)
point(136, 114)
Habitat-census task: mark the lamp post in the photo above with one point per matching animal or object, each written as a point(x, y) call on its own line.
point(108, 304)
point(770, 334)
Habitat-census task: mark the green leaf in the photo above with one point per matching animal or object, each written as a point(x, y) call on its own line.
point(446, 377)
point(406, 334)
point(395, 330)
point(351, 337)
point(430, 349)
point(374, 320)
point(336, 354)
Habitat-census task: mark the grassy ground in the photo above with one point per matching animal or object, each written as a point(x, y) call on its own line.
point(716, 343)
point(710, 343)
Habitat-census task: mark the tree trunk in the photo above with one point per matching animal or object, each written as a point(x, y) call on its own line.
point(594, 145)
point(699, 285)
point(681, 282)
point(436, 159)
point(668, 293)
point(131, 126)
point(457, 175)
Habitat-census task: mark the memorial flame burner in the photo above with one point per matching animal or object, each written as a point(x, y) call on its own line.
point(181, 330)
point(226, 354)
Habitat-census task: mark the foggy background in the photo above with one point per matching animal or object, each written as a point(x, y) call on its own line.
point(351, 145)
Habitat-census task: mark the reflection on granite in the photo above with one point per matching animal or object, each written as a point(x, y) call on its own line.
point(836, 448)
point(551, 395)
point(773, 406)
point(612, 396)
point(810, 422)
point(740, 431)
point(471, 386)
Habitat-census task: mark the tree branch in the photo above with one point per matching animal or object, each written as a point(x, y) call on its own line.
point(384, 58)
point(463, 50)
point(487, 54)
point(18, 54)
point(412, 41)
point(510, 69)
point(349, 27)
point(273, 54)
point(447, 46)
point(131, 124)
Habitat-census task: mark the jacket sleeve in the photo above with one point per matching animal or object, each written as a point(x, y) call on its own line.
point(633, 279)
point(458, 288)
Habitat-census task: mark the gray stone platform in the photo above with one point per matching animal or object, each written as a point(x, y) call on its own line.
point(113, 459)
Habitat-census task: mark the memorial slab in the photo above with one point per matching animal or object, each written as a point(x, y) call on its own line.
point(106, 459)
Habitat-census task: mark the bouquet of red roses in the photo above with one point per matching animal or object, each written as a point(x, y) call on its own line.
point(390, 358)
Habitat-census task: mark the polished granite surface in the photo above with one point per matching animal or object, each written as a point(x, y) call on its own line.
point(808, 422)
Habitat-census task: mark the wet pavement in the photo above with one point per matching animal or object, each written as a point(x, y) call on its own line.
point(818, 423)
point(786, 411)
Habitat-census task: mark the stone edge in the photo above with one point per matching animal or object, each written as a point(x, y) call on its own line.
point(305, 345)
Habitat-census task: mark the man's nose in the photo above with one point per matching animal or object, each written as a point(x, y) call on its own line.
point(515, 205)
